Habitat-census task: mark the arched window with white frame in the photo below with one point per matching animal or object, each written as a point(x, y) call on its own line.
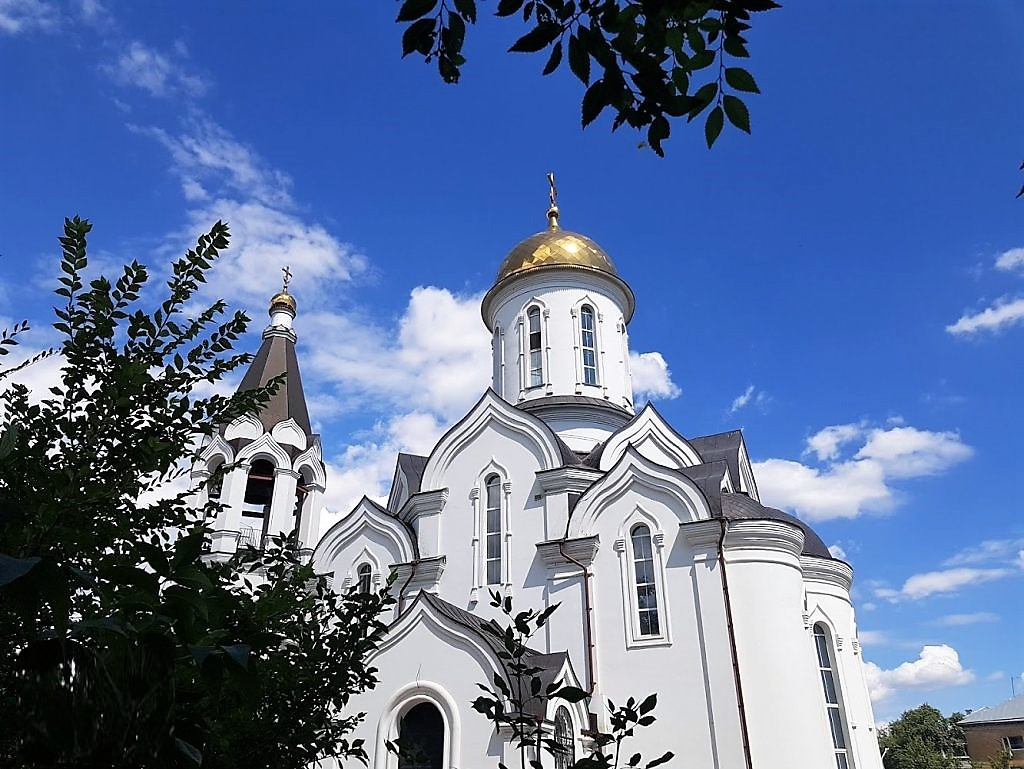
point(645, 581)
point(535, 348)
point(364, 578)
point(588, 344)
point(833, 695)
point(564, 739)
point(640, 547)
point(421, 736)
point(493, 530)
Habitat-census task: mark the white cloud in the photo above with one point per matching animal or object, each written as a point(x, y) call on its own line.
point(958, 620)
point(942, 582)
point(1003, 314)
point(154, 72)
point(850, 486)
point(750, 396)
point(17, 16)
point(1012, 259)
point(989, 551)
point(837, 551)
point(873, 637)
point(651, 377)
point(937, 667)
point(825, 443)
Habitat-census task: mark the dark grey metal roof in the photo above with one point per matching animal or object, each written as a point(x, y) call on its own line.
point(1011, 710)
point(724, 446)
point(708, 478)
point(412, 465)
point(550, 664)
point(537, 404)
point(276, 356)
point(737, 506)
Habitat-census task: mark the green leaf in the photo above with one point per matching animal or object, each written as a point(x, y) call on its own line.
point(579, 59)
point(15, 568)
point(537, 38)
point(741, 80)
point(594, 100)
point(571, 694)
point(414, 9)
point(8, 440)
point(190, 751)
point(467, 8)
point(737, 112)
point(713, 126)
point(419, 36)
point(554, 60)
point(662, 760)
point(648, 704)
point(508, 7)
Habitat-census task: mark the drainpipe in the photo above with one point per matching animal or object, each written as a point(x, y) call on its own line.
point(588, 629)
point(738, 680)
point(412, 573)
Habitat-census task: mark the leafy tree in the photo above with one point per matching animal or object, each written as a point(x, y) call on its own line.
point(513, 701)
point(922, 738)
point(120, 644)
point(649, 61)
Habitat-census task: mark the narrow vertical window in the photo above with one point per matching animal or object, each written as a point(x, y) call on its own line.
point(364, 575)
point(536, 354)
point(492, 528)
point(831, 689)
point(587, 344)
point(565, 751)
point(646, 591)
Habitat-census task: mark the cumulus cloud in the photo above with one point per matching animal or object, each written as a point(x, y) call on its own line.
point(836, 551)
point(845, 485)
point(159, 74)
point(651, 377)
point(936, 668)
point(18, 16)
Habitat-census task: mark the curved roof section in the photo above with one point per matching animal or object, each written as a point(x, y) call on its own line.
point(555, 246)
point(741, 507)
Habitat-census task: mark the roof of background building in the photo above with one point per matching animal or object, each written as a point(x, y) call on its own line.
point(1011, 710)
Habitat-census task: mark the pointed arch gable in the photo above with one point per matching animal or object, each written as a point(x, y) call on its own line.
point(217, 447)
point(266, 446)
point(312, 459)
point(367, 515)
point(491, 409)
point(636, 471)
point(651, 435)
point(290, 433)
point(246, 426)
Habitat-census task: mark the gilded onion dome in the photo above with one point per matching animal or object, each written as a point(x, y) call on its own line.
point(282, 300)
point(555, 247)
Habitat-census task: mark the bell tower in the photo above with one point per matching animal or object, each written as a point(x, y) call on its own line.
point(275, 475)
point(557, 314)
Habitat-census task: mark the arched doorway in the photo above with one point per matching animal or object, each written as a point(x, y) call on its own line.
point(421, 738)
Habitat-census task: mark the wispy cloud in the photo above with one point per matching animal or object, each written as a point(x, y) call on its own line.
point(18, 16)
point(959, 620)
point(842, 484)
point(652, 379)
point(159, 74)
point(936, 667)
point(750, 397)
point(942, 582)
point(989, 551)
point(1005, 312)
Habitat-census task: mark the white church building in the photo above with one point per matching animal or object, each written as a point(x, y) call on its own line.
point(671, 575)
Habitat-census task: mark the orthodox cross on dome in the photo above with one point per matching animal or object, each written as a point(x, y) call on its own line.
point(553, 201)
point(287, 278)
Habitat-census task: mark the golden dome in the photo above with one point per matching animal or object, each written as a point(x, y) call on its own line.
point(283, 300)
point(555, 247)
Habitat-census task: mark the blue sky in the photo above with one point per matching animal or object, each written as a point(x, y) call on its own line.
point(846, 284)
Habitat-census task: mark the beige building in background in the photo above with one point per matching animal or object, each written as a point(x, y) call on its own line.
point(992, 731)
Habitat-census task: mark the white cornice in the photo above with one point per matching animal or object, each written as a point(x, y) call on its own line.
point(423, 502)
point(832, 572)
point(785, 538)
point(414, 576)
point(583, 549)
point(572, 479)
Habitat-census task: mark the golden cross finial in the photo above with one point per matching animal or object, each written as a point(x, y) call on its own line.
point(553, 198)
point(287, 277)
